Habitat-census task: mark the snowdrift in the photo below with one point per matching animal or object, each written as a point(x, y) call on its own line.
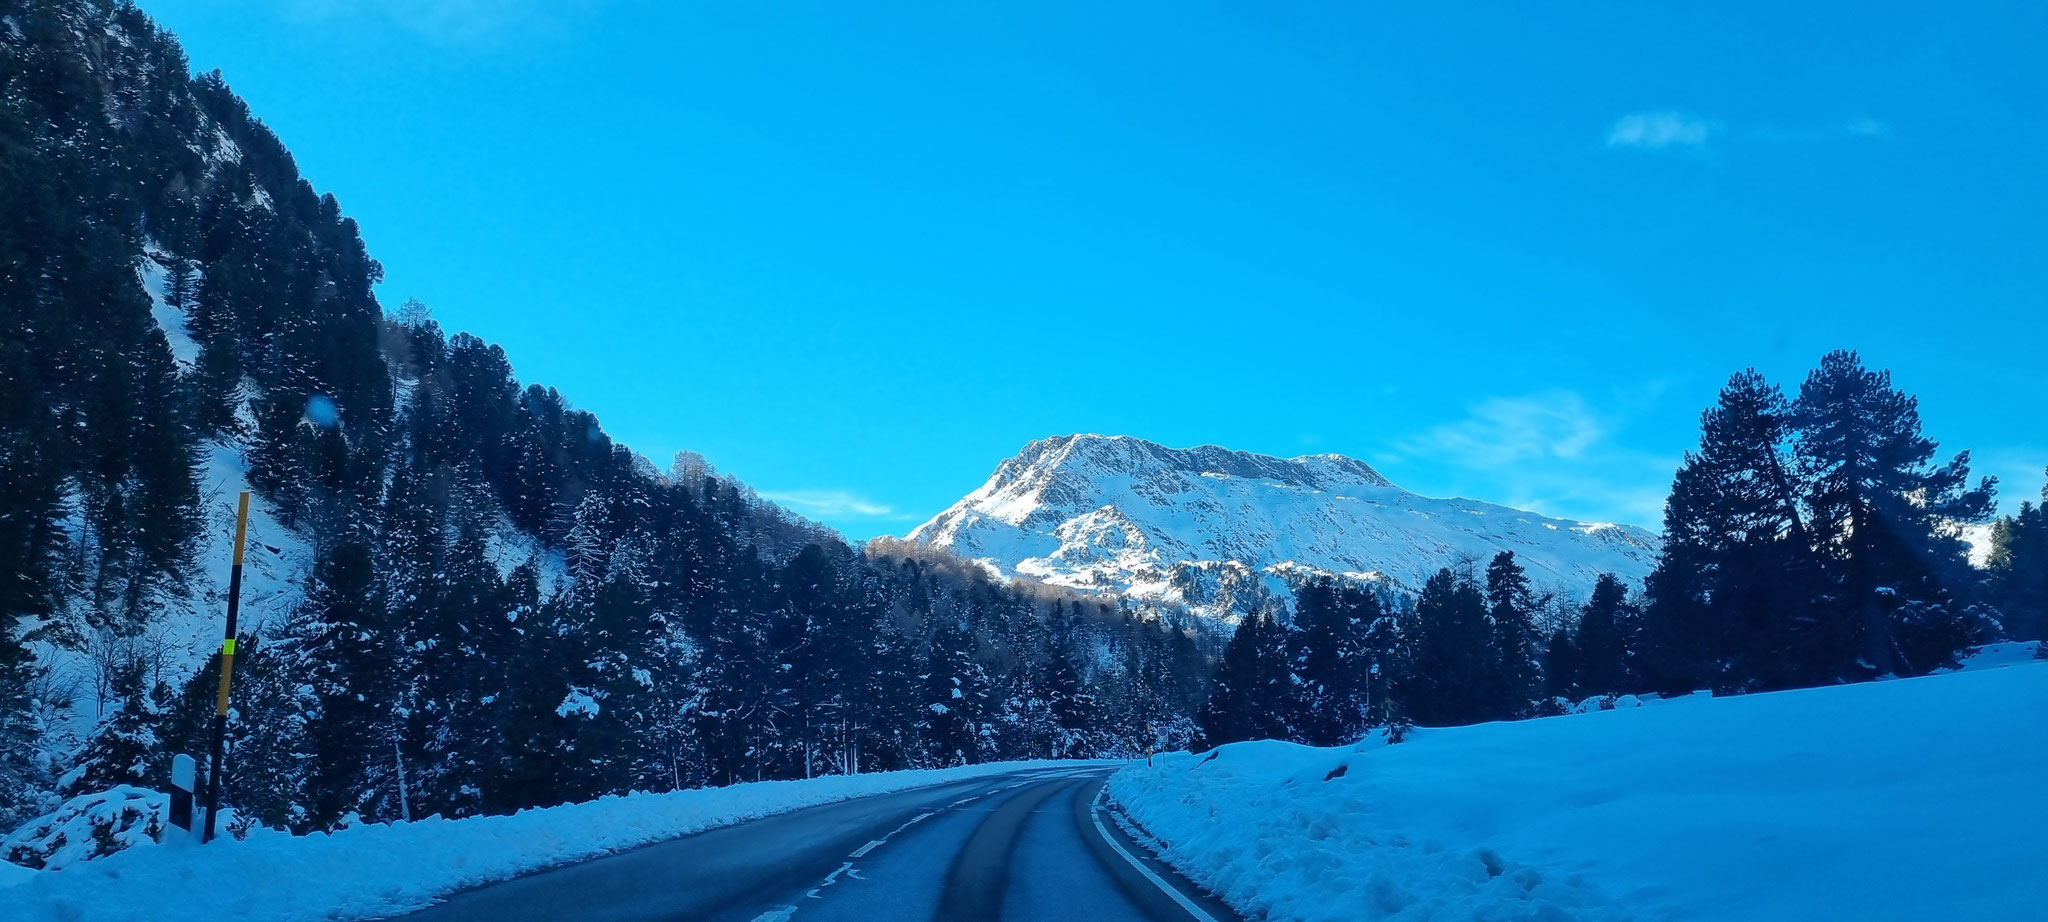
point(1913, 799)
point(380, 870)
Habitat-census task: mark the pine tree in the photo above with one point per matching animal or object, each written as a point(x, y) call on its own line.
point(1602, 638)
point(20, 732)
point(1883, 517)
point(1450, 679)
point(124, 749)
point(1072, 705)
point(590, 544)
point(1511, 611)
point(955, 693)
point(2018, 569)
point(1251, 694)
point(346, 648)
point(1730, 603)
point(1333, 666)
point(1562, 666)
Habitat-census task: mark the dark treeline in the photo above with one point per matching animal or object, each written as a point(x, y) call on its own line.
point(1469, 648)
point(1809, 540)
point(650, 631)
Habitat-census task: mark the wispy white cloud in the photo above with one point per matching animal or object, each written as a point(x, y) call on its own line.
point(1850, 129)
point(833, 504)
point(1671, 129)
point(1658, 130)
point(1553, 452)
point(1506, 430)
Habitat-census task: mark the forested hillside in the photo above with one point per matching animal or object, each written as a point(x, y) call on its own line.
point(481, 602)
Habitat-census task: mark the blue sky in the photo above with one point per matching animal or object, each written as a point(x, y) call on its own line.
point(857, 254)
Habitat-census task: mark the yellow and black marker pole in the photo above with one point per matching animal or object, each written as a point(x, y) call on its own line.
point(227, 668)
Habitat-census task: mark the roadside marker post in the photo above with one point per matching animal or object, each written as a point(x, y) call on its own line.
point(227, 669)
point(184, 775)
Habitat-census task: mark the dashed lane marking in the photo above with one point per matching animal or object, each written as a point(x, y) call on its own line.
point(783, 913)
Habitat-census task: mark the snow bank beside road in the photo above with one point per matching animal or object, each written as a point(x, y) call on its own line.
point(1903, 800)
point(375, 871)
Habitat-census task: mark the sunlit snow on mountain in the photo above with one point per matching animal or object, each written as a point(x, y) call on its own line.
point(1224, 531)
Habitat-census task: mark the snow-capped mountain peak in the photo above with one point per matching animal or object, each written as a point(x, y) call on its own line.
point(1222, 530)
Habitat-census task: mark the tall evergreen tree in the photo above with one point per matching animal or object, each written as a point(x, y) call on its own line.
point(346, 650)
point(1449, 679)
point(1334, 665)
point(1562, 665)
point(1602, 641)
point(1883, 517)
point(124, 749)
point(2018, 568)
point(1511, 609)
point(1730, 601)
point(1249, 694)
point(20, 731)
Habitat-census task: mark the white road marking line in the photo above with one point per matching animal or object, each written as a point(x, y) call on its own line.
point(829, 880)
point(783, 913)
point(1095, 814)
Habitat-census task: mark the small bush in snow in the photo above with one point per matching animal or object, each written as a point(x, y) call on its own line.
point(88, 826)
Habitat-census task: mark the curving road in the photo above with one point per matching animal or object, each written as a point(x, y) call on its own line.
point(1018, 847)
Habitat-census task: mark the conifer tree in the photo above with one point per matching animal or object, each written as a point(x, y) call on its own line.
point(1072, 705)
point(20, 732)
point(2018, 569)
point(1511, 611)
point(1250, 696)
point(1334, 665)
point(124, 749)
point(1562, 666)
point(524, 749)
point(1883, 516)
point(346, 651)
point(1602, 646)
point(1730, 601)
point(1449, 680)
point(954, 694)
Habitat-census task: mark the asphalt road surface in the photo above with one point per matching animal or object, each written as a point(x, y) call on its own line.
point(1017, 848)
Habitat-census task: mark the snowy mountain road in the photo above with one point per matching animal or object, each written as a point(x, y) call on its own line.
point(1016, 847)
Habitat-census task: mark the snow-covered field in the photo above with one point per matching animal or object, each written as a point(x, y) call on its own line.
point(1916, 799)
point(380, 870)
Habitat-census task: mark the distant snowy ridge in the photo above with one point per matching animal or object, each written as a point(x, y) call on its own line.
point(1221, 530)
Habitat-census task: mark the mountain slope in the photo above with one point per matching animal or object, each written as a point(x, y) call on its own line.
point(1219, 530)
point(455, 577)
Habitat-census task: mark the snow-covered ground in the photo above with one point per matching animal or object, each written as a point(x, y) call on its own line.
point(1914, 799)
point(379, 870)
